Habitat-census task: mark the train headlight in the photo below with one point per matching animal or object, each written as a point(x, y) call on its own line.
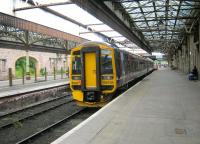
point(76, 77)
point(107, 77)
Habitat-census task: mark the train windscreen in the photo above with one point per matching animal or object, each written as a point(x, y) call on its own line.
point(106, 62)
point(76, 63)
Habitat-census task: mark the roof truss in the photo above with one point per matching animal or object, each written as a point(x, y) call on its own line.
point(161, 21)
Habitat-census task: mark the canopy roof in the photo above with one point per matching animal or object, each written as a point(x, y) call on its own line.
point(163, 23)
point(160, 25)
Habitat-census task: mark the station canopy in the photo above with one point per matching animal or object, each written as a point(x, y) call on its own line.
point(88, 26)
point(163, 23)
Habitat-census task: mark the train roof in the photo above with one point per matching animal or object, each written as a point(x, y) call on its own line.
point(89, 43)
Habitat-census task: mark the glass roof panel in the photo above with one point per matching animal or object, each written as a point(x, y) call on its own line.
point(136, 10)
point(174, 2)
point(174, 13)
point(143, 2)
point(152, 23)
point(133, 9)
point(148, 36)
point(141, 24)
point(175, 7)
point(150, 18)
point(186, 7)
point(169, 32)
point(158, 7)
point(127, 4)
point(133, 4)
point(162, 32)
point(185, 12)
point(145, 33)
point(172, 21)
point(155, 32)
point(151, 15)
point(147, 9)
point(136, 15)
point(149, 4)
point(161, 8)
point(160, 2)
point(160, 14)
point(178, 13)
point(139, 19)
point(179, 22)
point(189, 3)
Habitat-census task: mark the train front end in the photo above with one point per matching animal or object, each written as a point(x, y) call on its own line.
point(92, 74)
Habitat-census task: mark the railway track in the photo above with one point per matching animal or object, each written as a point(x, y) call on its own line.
point(15, 117)
point(47, 129)
point(52, 133)
point(27, 122)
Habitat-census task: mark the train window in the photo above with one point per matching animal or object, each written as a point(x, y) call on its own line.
point(76, 53)
point(76, 64)
point(105, 52)
point(126, 63)
point(136, 65)
point(118, 63)
point(106, 62)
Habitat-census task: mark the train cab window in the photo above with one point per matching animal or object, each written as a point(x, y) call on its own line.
point(76, 63)
point(106, 52)
point(106, 62)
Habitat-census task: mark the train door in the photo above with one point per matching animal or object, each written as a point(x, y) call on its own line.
point(91, 73)
point(90, 70)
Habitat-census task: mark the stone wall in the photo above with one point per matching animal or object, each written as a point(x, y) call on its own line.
point(44, 59)
point(189, 55)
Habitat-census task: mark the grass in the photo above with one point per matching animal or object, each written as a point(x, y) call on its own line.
point(18, 72)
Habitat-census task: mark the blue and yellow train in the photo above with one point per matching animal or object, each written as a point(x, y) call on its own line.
point(97, 70)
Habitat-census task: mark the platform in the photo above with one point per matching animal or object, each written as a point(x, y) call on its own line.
point(164, 108)
point(6, 91)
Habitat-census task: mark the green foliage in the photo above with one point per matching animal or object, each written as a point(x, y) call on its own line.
point(21, 64)
point(18, 73)
point(42, 71)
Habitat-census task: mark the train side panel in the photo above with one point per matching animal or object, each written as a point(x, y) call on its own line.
point(130, 67)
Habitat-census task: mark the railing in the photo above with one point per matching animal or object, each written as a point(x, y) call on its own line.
point(35, 77)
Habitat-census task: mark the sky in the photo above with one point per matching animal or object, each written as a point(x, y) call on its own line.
point(73, 11)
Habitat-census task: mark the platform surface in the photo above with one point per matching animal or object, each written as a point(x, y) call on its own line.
point(162, 109)
point(6, 91)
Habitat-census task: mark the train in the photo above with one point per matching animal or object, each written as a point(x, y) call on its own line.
point(98, 69)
